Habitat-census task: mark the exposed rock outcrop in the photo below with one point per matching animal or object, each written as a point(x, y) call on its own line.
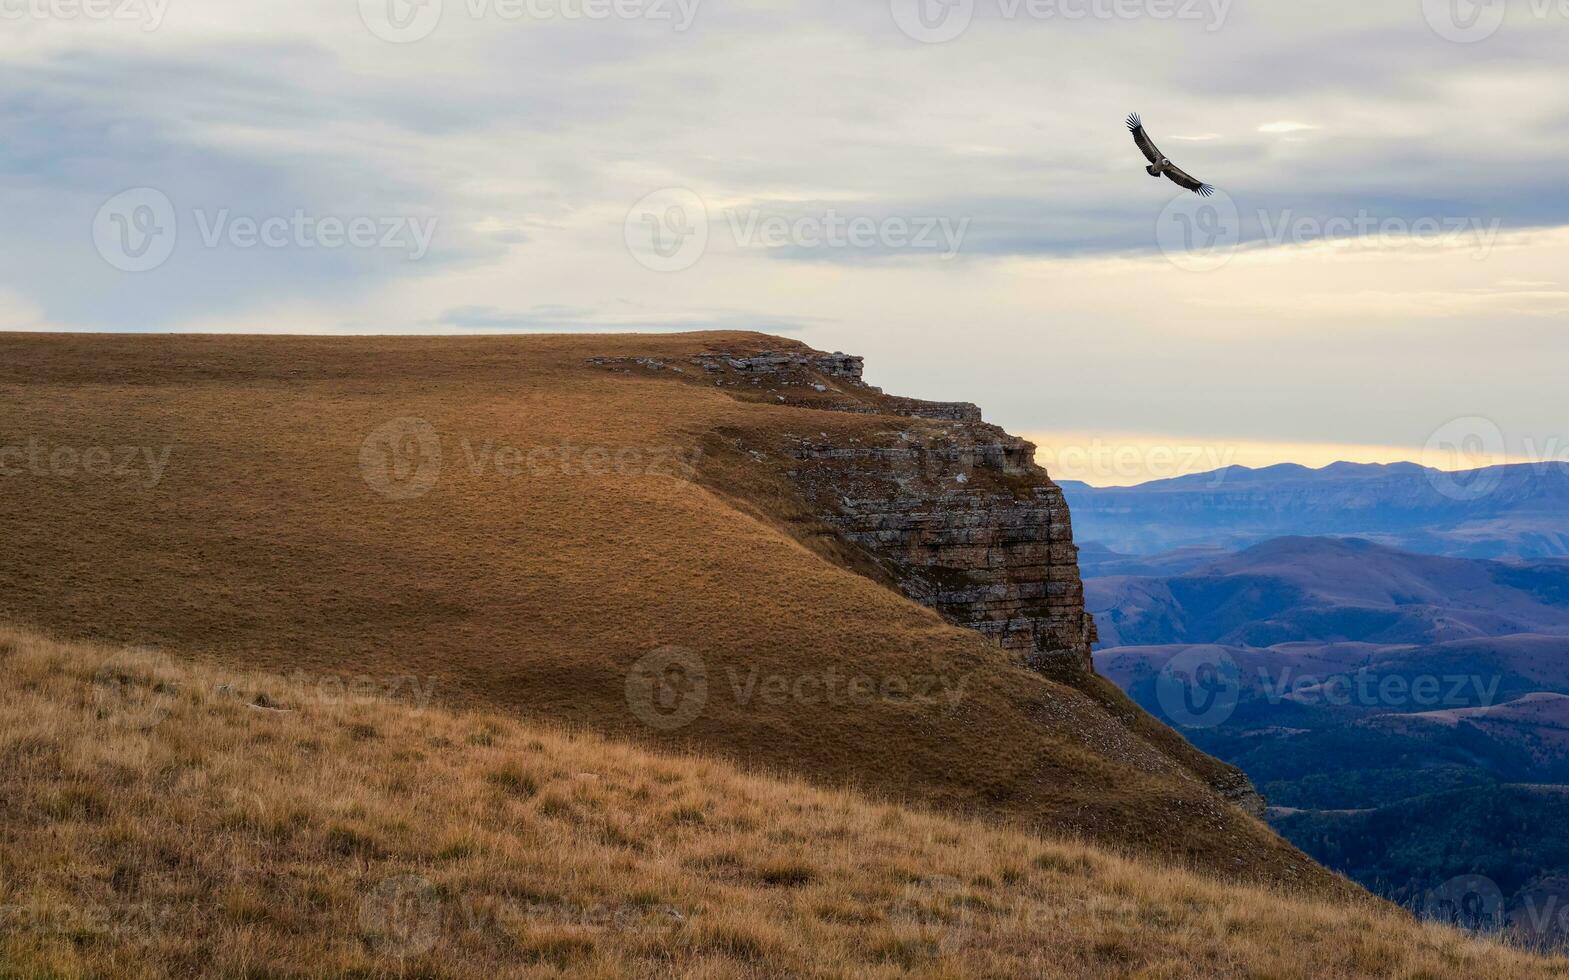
point(953, 509)
point(968, 525)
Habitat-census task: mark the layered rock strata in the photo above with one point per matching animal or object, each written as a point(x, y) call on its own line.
point(955, 510)
point(966, 523)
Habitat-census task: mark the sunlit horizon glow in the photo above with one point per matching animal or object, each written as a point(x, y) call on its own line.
point(1121, 459)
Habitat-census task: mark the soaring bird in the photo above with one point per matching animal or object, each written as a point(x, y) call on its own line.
point(1159, 165)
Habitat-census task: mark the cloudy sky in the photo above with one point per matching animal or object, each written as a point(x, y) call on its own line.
point(943, 186)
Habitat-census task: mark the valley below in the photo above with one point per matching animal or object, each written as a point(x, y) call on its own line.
point(1406, 715)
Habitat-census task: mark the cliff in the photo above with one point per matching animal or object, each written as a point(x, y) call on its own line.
point(536, 524)
point(924, 497)
point(952, 510)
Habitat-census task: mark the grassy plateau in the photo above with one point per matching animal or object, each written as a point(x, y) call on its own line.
point(520, 528)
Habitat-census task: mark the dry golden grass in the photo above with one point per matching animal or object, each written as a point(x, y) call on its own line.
point(263, 546)
point(164, 819)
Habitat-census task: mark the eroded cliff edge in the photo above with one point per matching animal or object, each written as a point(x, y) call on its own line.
point(954, 511)
point(932, 500)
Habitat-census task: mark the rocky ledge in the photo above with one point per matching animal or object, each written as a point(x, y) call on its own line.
point(954, 510)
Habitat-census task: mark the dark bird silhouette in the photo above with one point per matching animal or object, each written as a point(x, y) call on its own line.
point(1160, 166)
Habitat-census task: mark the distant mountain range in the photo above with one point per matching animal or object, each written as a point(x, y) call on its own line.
point(1511, 668)
point(1383, 649)
point(1514, 511)
point(1406, 715)
point(1332, 590)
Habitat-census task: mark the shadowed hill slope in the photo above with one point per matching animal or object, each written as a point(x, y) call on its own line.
point(162, 819)
point(527, 530)
point(1333, 589)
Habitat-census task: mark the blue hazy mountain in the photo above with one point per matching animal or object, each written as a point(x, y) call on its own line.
point(1514, 511)
point(1406, 715)
point(1297, 589)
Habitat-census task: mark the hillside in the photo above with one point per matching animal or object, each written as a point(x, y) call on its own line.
point(1380, 744)
point(1332, 590)
point(1513, 511)
point(1536, 726)
point(654, 537)
point(162, 819)
point(1507, 835)
point(1340, 726)
point(1512, 666)
point(1098, 561)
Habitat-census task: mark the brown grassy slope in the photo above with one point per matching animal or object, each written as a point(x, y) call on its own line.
point(754, 483)
point(263, 545)
point(157, 823)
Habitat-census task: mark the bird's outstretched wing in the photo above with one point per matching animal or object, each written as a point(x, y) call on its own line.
point(1140, 137)
point(1180, 177)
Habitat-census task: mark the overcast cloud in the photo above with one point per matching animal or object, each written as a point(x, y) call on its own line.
point(954, 196)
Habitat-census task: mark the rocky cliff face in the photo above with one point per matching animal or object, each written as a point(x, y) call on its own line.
point(953, 509)
point(966, 523)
